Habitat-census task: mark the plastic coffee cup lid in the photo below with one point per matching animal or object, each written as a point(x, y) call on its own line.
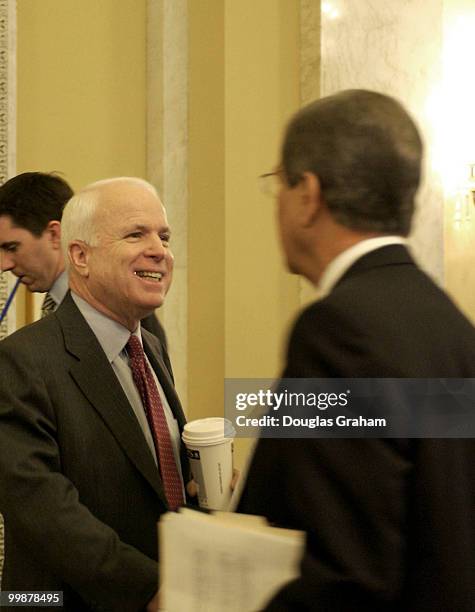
point(212, 430)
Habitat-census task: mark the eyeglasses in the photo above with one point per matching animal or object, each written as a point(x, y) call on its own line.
point(270, 183)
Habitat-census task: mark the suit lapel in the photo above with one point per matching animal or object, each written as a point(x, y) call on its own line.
point(95, 377)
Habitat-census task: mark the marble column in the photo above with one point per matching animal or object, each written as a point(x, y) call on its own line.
point(453, 108)
point(310, 69)
point(167, 162)
point(7, 157)
point(7, 130)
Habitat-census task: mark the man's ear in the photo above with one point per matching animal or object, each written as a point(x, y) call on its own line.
point(78, 252)
point(53, 229)
point(311, 200)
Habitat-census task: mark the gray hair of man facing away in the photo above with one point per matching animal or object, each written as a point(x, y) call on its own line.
point(366, 152)
point(79, 215)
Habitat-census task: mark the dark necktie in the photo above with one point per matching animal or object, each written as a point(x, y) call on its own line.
point(48, 305)
point(145, 383)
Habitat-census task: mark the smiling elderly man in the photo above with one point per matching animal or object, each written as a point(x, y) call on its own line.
point(90, 452)
point(31, 207)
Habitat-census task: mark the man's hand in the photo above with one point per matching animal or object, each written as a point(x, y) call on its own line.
point(236, 476)
point(192, 487)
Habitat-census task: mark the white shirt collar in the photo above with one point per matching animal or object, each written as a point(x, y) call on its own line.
point(59, 288)
point(342, 262)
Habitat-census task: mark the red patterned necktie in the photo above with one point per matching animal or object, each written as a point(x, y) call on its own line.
point(145, 383)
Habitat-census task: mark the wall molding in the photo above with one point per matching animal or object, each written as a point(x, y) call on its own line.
point(167, 159)
point(7, 158)
point(7, 129)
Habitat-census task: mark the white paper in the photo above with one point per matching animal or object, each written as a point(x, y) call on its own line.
point(208, 564)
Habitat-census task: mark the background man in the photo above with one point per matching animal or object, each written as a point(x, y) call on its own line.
point(390, 522)
point(90, 452)
point(31, 206)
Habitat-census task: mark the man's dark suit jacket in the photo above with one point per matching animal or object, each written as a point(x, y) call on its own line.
point(153, 325)
point(80, 492)
point(390, 523)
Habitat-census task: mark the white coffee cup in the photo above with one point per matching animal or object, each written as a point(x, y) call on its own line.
point(209, 445)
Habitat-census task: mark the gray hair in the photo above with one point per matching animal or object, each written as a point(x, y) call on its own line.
point(79, 215)
point(366, 151)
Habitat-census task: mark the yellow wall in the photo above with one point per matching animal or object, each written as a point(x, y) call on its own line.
point(81, 98)
point(244, 84)
point(81, 88)
point(82, 111)
point(206, 155)
point(261, 92)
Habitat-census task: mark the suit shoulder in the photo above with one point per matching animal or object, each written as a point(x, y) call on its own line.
point(327, 315)
point(32, 336)
point(151, 339)
point(153, 325)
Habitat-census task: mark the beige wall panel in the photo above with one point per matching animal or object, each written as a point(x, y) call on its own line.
point(81, 88)
point(206, 156)
point(261, 92)
point(262, 75)
point(81, 71)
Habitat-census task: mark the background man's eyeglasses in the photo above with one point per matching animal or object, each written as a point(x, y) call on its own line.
point(270, 183)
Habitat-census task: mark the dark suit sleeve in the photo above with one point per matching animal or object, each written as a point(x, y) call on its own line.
point(42, 507)
point(348, 495)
